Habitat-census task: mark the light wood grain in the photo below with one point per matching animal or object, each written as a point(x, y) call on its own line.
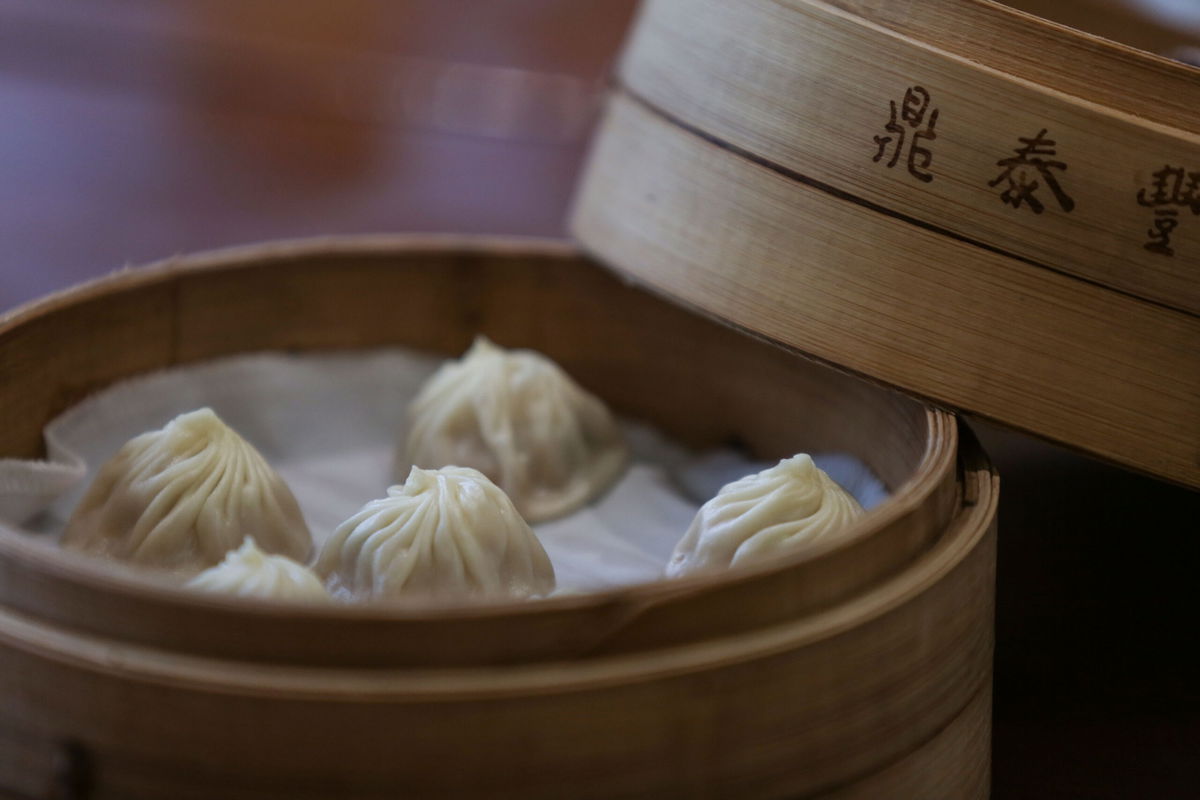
point(944, 768)
point(1073, 362)
point(697, 380)
point(1024, 38)
point(812, 705)
point(807, 86)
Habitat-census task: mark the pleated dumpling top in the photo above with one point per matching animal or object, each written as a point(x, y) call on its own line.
point(444, 534)
point(249, 572)
point(779, 509)
point(184, 496)
point(518, 418)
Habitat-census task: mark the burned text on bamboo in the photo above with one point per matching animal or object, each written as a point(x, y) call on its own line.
point(910, 124)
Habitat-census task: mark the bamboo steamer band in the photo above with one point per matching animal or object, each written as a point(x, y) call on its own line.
point(1071, 361)
point(702, 382)
point(950, 765)
point(934, 137)
point(760, 714)
point(796, 96)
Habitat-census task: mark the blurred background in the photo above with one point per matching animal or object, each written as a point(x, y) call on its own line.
point(131, 130)
point(134, 129)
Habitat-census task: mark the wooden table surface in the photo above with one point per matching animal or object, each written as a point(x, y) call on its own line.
point(133, 129)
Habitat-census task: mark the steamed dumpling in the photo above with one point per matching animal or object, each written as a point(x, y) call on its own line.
point(791, 504)
point(446, 533)
point(515, 416)
point(249, 572)
point(184, 496)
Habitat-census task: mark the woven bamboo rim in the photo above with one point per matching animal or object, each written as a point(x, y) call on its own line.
point(340, 293)
point(968, 327)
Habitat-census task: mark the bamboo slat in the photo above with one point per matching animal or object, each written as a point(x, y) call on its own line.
point(1011, 37)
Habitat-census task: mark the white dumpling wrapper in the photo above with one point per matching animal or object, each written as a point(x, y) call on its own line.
point(184, 496)
point(787, 506)
point(249, 572)
point(518, 418)
point(445, 534)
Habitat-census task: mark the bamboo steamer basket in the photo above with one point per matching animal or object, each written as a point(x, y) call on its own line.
point(986, 209)
point(860, 670)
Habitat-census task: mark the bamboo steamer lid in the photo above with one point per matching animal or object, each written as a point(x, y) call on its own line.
point(886, 188)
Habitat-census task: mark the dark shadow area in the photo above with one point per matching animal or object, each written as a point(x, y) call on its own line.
point(1096, 623)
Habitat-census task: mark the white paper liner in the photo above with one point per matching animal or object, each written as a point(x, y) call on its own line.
point(329, 424)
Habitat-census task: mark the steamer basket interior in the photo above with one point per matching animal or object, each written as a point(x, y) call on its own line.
point(699, 381)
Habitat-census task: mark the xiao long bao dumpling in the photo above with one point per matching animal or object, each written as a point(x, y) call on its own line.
point(445, 534)
point(184, 496)
point(789, 505)
point(518, 418)
point(249, 572)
